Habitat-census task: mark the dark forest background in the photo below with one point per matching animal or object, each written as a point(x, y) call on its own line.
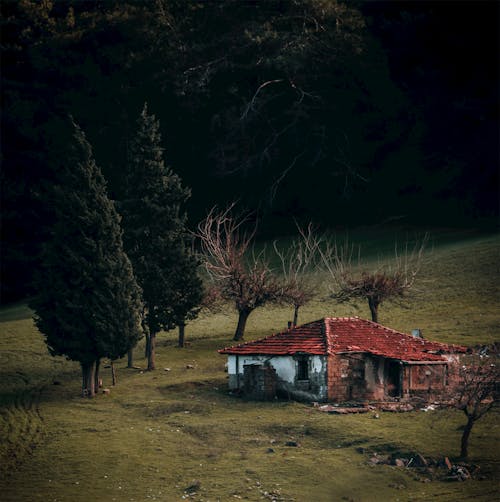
point(343, 113)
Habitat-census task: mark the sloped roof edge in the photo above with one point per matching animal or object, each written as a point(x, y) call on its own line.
point(336, 335)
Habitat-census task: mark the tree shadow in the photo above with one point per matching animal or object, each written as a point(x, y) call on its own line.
point(15, 312)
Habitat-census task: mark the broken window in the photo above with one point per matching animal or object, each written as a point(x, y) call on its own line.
point(302, 368)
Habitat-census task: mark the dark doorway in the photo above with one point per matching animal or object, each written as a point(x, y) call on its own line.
point(251, 378)
point(393, 379)
point(302, 368)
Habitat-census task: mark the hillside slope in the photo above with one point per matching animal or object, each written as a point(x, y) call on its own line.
point(176, 434)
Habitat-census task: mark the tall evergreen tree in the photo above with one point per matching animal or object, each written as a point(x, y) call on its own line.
point(155, 232)
point(186, 288)
point(88, 302)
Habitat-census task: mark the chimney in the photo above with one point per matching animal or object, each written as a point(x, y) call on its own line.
point(416, 333)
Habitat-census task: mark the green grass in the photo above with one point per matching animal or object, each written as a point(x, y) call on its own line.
point(158, 433)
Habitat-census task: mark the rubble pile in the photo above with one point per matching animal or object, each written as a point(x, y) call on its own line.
point(425, 468)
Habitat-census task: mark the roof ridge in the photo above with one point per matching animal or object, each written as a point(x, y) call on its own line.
point(378, 325)
point(326, 333)
point(343, 318)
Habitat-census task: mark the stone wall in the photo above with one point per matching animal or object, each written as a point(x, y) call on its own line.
point(355, 377)
point(259, 382)
point(337, 378)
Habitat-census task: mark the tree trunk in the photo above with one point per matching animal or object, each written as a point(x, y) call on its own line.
point(296, 315)
point(242, 322)
point(91, 381)
point(147, 346)
point(113, 373)
point(88, 379)
point(464, 445)
point(96, 375)
point(152, 351)
point(130, 359)
point(145, 330)
point(182, 327)
point(85, 371)
point(373, 303)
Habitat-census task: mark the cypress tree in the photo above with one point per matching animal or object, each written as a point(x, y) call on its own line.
point(155, 234)
point(88, 303)
point(186, 289)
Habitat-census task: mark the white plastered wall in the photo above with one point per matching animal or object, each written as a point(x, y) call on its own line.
point(285, 366)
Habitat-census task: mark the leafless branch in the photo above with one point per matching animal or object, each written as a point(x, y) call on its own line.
point(252, 101)
point(282, 176)
point(299, 262)
point(388, 281)
point(343, 158)
point(476, 394)
point(238, 272)
point(223, 243)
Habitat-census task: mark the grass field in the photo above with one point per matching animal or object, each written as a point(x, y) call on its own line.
point(177, 434)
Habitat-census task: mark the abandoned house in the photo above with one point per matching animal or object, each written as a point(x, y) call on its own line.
point(340, 359)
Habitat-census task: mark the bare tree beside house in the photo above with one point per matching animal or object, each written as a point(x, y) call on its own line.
point(476, 394)
point(299, 262)
point(238, 273)
point(391, 280)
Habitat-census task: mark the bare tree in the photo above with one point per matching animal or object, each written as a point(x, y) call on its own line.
point(298, 265)
point(476, 395)
point(391, 280)
point(239, 274)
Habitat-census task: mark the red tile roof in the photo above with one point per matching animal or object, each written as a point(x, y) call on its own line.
point(336, 335)
point(308, 338)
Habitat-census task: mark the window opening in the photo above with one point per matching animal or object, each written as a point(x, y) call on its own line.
point(302, 369)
